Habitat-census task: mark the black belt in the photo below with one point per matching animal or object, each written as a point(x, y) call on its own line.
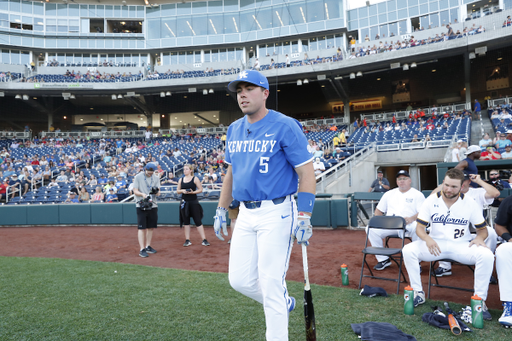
point(257, 204)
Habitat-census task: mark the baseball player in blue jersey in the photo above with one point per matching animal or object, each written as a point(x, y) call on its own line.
point(267, 156)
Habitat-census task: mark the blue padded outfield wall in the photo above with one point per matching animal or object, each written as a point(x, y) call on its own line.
point(330, 213)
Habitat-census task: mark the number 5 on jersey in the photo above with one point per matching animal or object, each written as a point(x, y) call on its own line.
point(264, 163)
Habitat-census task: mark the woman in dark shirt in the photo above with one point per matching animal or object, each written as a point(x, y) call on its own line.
point(189, 186)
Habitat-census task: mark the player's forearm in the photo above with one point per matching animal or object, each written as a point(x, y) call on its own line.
point(226, 193)
point(490, 190)
point(482, 234)
point(421, 233)
point(500, 229)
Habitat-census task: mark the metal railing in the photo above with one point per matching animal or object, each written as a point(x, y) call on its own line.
point(402, 115)
point(344, 166)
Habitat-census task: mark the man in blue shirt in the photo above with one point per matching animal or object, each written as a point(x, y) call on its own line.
point(267, 156)
point(503, 142)
point(120, 183)
point(478, 109)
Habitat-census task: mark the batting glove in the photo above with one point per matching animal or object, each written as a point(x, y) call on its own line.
point(303, 231)
point(220, 222)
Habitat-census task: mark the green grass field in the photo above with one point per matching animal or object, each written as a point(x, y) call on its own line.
point(57, 299)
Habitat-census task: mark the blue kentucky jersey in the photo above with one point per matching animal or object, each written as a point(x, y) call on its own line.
point(263, 156)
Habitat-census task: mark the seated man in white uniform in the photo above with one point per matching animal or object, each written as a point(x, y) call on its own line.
point(449, 214)
point(483, 196)
point(403, 201)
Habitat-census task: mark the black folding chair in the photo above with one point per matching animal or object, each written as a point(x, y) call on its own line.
point(394, 254)
point(432, 274)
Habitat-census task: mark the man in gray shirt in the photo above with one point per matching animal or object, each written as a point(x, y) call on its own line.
point(146, 187)
point(381, 184)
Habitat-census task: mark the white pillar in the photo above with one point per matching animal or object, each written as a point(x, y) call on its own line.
point(202, 56)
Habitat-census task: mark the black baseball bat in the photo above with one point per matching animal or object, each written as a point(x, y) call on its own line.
point(309, 311)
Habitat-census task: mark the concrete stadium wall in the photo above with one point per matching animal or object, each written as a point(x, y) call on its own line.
point(330, 213)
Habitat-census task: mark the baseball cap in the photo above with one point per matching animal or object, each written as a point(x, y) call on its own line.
point(150, 167)
point(472, 149)
point(379, 171)
point(111, 189)
point(14, 175)
point(403, 173)
point(509, 146)
point(249, 76)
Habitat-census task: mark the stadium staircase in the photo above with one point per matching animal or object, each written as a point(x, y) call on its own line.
point(350, 175)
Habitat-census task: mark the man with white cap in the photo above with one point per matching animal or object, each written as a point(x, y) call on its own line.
point(468, 164)
point(403, 201)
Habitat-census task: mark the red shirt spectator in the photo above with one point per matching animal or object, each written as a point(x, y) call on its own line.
point(364, 122)
point(490, 154)
point(394, 119)
point(3, 189)
point(446, 115)
point(422, 113)
point(430, 126)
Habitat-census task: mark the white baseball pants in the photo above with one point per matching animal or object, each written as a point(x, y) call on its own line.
point(259, 257)
point(376, 237)
point(491, 241)
point(481, 257)
point(504, 269)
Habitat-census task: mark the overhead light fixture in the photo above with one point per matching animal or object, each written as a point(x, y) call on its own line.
point(338, 77)
point(472, 55)
point(119, 96)
point(72, 97)
point(65, 117)
point(305, 81)
point(168, 93)
point(359, 74)
point(2, 94)
point(500, 58)
point(299, 82)
point(210, 91)
point(162, 94)
point(434, 70)
point(413, 64)
point(114, 97)
point(205, 92)
point(25, 97)
point(18, 96)
point(378, 79)
point(352, 75)
point(406, 67)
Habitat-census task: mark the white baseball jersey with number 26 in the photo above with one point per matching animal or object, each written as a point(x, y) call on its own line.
point(451, 223)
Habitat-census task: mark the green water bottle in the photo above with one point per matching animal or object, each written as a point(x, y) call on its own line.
point(476, 312)
point(344, 274)
point(409, 301)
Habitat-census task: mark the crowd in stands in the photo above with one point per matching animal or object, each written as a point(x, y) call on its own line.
point(9, 76)
point(209, 72)
point(305, 61)
point(49, 170)
point(54, 62)
point(419, 127)
point(361, 51)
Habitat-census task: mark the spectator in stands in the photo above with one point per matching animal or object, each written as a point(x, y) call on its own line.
point(62, 178)
point(477, 109)
point(455, 152)
point(490, 154)
point(463, 148)
point(256, 65)
point(318, 166)
point(111, 196)
point(98, 196)
point(502, 142)
point(485, 141)
point(72, 198)
point(508, 152)
point(415, 138)
point(381, 184)
point(3, 189)
point(84, 196)
point(14, 185)
point(171, 180)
